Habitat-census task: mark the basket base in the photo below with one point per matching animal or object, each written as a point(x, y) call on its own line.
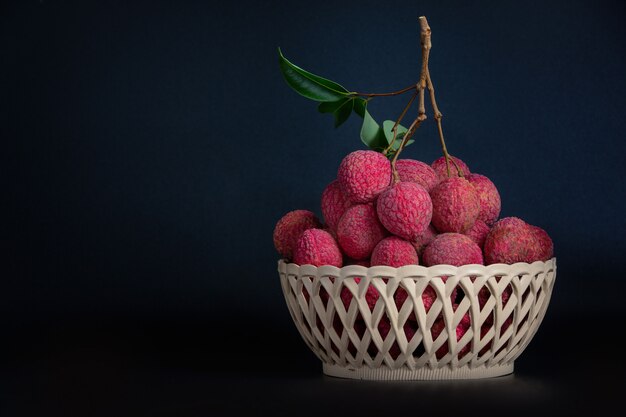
point(385, 373)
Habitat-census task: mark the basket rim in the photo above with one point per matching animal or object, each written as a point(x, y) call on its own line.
point(282, 263)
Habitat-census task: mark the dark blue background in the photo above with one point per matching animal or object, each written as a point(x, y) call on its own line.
point(150, 148)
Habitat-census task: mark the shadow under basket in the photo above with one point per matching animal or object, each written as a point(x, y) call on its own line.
point(414, 322)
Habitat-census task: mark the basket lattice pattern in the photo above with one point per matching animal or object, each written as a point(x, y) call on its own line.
point(499, 307)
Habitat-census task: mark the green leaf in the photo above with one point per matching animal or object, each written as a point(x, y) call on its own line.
point(332, 106)
point(360, 105)
point(372, 134)
point(388, 129)
point(343, 112)
point(341, 109)
point(310, 85)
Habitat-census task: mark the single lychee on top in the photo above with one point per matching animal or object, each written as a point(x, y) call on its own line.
point(405, 209)
point(359, 231)
point(455, 205)
point(410, 170)
point(289, 229)
point(334, 204)
point(393, 251)
point(510, 240)
point(488, 196)
point(363, 175)
point(317, 247)
point(452, 249)
point(439, 166)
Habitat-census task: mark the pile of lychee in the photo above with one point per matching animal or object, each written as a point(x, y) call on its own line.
point(418, 215)
point(423, 215)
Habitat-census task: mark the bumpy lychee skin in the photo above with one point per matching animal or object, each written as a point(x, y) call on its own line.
point(488, 196)
point(363, 175)
point(452, 249)
point(289, 229)
point(478, 233)
point(545, 247)
point(317, 247)
point(410, 170)
point(359, 231)
point(393, 251)
point(510, 240)
point(334, 204)
point(455, 205)
point(405, 209)
point(424, 239)
point(439, 166)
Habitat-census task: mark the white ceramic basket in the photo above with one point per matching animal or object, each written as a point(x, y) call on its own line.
point(353, 343)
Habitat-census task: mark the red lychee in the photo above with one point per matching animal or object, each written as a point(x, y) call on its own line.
point(363, 175)
point(439, 166)
point(359, 231)
point(488, 196)
point(393, 251)
point(289, 229)
point(405, 209)
point(455, 205)
point(545, 247)
point(478, 233)
point(452, 249)
point(334, 204)
point(410, 170)
point(317, 247)
point(424, 239)
point(510, 240)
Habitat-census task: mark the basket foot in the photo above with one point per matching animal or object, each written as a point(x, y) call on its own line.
point(385, 373)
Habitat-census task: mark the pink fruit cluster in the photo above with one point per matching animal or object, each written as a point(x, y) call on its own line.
point(428, 217)
point(421, 216)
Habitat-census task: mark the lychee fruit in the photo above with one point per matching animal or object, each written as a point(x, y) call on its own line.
point(410, 170)
point(359, 231)
point(371, 295)
point(478, 233)
point(317, 247)
point(334, 204)
point(363, 175)
point(393, 251)
point(452, 249)
point(545, 247)
point(439, 166)
point(424, 239)
point(488, 197)
point(510, 240)
point(405, 209)
point(455, 205)
point(289, 229)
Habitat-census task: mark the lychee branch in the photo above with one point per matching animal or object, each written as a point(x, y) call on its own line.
point(397, 123)
point(394, 93)
point(425, 76)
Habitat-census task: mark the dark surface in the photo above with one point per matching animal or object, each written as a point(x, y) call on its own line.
point(148, 149)
point(167, 367)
